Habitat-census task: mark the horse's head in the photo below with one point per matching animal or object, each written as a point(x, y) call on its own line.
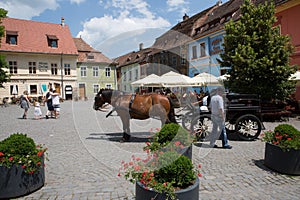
point(102, 97)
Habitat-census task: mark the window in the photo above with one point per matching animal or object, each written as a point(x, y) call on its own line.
point(107, 72)
point(130, 75)
point(53, 68)
point(136, 74)
point(52, 41)
point(67, 69)
point(12, 37)
point(174, 60)
point(90, 57)
point(83, 71)
point(202, 50)
point(32, 67)
point(95, 71)
point(14, 89)
point(124, 75)
point(33, 89)
point(95, 88)
point(194, 50)
point(108, 86)
point(13, 68)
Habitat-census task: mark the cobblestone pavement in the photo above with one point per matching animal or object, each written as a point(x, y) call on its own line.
point(85, 155)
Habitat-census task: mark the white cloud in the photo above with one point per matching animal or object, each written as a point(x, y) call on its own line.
point(178, 5)
point(26, 9)
point(77, 1)
point(132, 17)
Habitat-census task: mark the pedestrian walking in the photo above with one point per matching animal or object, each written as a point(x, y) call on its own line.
point(218, 118)
point(48, 100)
point(55, 102)
point(25, 104)
point(37, 110)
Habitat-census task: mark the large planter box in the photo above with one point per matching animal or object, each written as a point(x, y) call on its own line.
point(190, 193)
point(15, 183)
point(286, 162)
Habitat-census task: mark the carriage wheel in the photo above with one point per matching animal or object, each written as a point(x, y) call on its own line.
point(187, 119)
point(201, 126)
point(248, 127)
point(230, 128)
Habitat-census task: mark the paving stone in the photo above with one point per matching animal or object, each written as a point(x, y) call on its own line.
point(85, 156)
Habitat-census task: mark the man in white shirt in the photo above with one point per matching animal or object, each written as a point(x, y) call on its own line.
point(55, 103)
point(218, 118)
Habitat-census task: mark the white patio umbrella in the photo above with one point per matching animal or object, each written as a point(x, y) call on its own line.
point(224, 77)
point(173, 79)
point(295, 76)
point(149, 81)
point(206, 79)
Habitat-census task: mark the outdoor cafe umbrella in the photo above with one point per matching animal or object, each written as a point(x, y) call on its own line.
point(173, 79)
point(205, 79)
point(295, 76)
point(149, 81)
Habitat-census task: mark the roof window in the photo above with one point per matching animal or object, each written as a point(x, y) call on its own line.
point(52, 41)
point(12, 37)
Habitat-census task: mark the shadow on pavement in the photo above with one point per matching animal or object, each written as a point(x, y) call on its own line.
point(136, 137)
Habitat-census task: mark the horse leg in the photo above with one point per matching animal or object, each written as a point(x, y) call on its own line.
point(125, 118)
point(171, 115)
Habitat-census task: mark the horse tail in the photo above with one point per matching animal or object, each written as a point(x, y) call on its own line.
point(171, 114)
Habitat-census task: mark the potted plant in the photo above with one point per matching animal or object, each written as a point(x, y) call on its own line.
point(282, 150)
point(164, 173)
point(21, 166)
point(172, 137)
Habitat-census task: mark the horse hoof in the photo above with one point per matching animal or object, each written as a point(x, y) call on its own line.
point(124, 140)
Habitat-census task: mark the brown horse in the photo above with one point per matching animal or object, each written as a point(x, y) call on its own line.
point(134, 106)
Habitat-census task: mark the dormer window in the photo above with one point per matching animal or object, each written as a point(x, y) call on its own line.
point(90, 57)
point(52, 41)
point(12, 37)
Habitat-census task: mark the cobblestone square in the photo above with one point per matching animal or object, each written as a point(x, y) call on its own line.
point(85, 155)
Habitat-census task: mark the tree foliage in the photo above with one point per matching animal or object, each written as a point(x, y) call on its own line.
point(4, 76)
point(257, 53)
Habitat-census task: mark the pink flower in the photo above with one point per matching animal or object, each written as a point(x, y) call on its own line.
point(177, 143)
point(1, 154)
point(11, 158)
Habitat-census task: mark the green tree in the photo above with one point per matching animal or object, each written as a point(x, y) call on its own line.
point(257, 53)
point(4, 76)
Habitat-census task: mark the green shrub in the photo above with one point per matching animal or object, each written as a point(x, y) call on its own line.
point(18, 149)
point(284, 135)
point(170, 133)
point(175, 169)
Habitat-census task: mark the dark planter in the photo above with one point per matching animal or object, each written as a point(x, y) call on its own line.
point(190, 193)
point(14, 182)
point(285, 162)
point(187, 151)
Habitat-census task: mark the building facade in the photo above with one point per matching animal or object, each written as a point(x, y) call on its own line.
point(95, 71)
point(40, 56)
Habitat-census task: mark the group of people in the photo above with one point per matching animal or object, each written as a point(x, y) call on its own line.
point(52, 99)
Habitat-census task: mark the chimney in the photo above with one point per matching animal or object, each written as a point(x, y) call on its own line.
point(219, 3)
point(62, 21)
point(141, 46)
point(185, 17)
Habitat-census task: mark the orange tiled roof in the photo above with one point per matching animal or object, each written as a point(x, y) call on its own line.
point(32, 37)
point(88, 53)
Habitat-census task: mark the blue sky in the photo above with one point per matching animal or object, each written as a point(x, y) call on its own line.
point(114, 27)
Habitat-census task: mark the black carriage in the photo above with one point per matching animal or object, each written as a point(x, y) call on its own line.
point(243, 117)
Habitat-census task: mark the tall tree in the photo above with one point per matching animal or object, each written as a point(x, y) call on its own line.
point(257, 53)
point(4, 76)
